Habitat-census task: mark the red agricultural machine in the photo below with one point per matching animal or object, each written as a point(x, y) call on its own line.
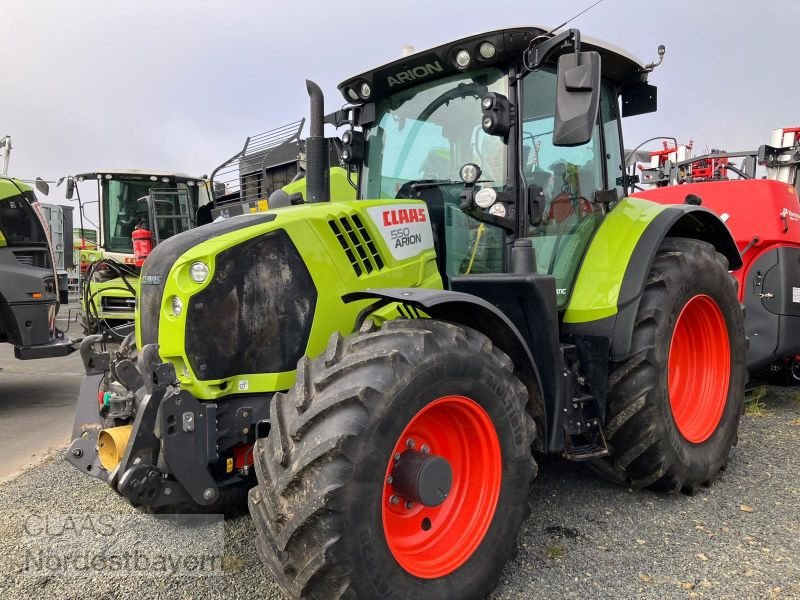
point(758, 201)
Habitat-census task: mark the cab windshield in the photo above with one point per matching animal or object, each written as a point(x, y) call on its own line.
point(122, 210)
point(430, 131)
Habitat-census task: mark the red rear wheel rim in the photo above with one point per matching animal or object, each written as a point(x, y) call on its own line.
point(433, 542)
point(699, 369)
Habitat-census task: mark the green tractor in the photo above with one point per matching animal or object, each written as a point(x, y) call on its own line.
point(387, 364)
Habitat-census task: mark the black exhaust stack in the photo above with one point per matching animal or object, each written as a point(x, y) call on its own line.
point(318, 185)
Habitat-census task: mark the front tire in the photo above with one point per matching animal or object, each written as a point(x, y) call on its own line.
point(332, 524)
point(674, 404)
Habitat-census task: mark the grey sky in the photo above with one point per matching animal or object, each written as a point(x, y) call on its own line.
point(177, 85)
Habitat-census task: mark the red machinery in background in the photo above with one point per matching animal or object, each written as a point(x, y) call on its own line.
point(763, 214)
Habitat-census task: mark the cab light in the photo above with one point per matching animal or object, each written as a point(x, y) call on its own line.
point(487, 50)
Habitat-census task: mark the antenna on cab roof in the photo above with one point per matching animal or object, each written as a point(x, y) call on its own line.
point(570, 20)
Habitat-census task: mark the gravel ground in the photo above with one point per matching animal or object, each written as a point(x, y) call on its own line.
point(585, 538)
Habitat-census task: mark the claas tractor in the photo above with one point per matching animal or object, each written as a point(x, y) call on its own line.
point(763, 214)
point(387, 364)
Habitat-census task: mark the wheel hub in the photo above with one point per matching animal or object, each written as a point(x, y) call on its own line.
point(441, 488)
point(422, 478)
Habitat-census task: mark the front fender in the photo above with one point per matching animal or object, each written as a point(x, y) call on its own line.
point(476, 313)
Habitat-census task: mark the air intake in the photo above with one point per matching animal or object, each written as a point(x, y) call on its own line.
point(357, 244)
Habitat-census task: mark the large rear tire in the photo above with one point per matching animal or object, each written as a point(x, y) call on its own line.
point(675, 403)
point(331, 520)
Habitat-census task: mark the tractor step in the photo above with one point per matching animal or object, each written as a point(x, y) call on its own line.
point(587, 445)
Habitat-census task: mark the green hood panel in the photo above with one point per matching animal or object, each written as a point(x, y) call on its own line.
point(345, 245)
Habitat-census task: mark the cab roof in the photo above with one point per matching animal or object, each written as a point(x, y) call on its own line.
point(618, 66)
point(10, 186)
point(138, 174)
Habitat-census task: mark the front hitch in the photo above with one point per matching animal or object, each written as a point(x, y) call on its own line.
point(166, 449)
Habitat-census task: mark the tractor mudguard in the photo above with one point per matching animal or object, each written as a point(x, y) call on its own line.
point(475, 312)
point(614, 272)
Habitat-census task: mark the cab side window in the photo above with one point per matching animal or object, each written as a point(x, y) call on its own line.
point(567, 177)
point(609, 115)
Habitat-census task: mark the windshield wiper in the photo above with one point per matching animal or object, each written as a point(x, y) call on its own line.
point(429, 183)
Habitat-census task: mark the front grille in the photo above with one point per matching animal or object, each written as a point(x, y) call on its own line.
point(112, 304)
point(256, 314)
point(33, 258)
point(357, 244)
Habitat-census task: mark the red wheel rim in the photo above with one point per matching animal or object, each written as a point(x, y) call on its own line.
point(433, 542)
point(699, 369)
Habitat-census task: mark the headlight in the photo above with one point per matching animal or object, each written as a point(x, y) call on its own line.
point(463, 59)
point(177, 306)
point(365, 90)
point(485, 197)
point(198, 271)
point(470, 173)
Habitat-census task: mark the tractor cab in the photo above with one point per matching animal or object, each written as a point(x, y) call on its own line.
point(483, 130)
point(137, 209)
point(165, 202)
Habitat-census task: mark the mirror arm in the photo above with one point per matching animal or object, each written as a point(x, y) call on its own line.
point(537, 55)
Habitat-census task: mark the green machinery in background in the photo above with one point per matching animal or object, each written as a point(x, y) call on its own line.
point(29, 293)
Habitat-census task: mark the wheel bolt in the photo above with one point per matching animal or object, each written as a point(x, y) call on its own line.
point(394, 499)
point(425, 449)
point(397, 456)
point(410, 443)
point(409, 504)
point(389, 480)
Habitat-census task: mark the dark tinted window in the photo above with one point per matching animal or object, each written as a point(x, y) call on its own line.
point(19, 223)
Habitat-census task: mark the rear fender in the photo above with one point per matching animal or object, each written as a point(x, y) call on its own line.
point(614, 272)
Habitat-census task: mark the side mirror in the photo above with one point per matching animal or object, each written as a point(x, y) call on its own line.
point(577, 98)
point(70, 188)
point(42, 187)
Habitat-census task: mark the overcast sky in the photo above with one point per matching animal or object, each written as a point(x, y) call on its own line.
point(177, 85)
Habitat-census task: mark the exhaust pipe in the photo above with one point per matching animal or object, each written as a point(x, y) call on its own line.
point(111, 444)
point(318, 185)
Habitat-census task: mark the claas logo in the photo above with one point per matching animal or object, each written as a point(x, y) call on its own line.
point(401, 216)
